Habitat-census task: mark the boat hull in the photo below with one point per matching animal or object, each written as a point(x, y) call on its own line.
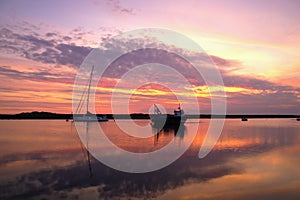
point(90, 119)
point(167, 120)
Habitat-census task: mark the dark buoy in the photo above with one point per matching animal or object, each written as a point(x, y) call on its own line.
point(244, 119)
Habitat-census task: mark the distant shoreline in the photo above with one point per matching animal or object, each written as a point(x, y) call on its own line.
point(49, 115)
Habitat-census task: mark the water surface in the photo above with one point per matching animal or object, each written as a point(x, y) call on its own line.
point(45, 159)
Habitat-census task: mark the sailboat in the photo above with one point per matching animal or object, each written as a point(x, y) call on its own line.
point(88, 116)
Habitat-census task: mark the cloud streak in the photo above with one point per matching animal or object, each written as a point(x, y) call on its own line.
point(39, 76)
point(115, 6)
point(45, 50)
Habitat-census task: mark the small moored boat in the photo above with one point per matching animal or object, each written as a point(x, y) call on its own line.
point(88, 116)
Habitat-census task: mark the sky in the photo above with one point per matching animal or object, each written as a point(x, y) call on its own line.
point(254, 44)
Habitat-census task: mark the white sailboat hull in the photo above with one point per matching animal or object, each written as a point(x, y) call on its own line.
point(90, 119)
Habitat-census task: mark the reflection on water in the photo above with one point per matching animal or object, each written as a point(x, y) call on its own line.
point(169, 132)
point(258, 159)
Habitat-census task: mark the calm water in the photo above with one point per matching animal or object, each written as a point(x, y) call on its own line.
point(258, 159)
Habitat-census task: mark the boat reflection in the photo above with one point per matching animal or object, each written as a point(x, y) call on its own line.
point(177, 130)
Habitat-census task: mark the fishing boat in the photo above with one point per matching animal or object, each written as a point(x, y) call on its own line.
point(88, 116)
point(167, 120)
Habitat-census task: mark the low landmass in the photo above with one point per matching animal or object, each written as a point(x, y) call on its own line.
point(50, 115)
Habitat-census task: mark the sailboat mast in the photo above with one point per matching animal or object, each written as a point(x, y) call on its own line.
point(88, 92)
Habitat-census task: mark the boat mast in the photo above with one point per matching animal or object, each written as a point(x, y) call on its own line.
point(156, 110)
point(88, 92)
